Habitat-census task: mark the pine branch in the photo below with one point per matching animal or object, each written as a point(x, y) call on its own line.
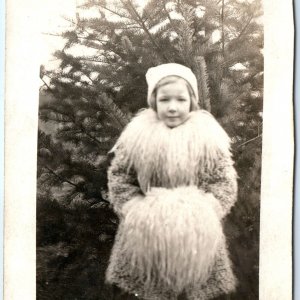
point(49, 88)
point(61, 178)
point(83, 29)
point(46, 84)
point(242, 32)
point(150, 17)
point(93, 59)
point(249, 141)
point(114, 112)
point(52, 34)
point(92, 39)
point(202, 78)
point(140, 21)
point(168, 16)
point(56, 110)
point(83, 130)
point(55, 120)
point(244, 29)
point(223, 34)
point(113, 12)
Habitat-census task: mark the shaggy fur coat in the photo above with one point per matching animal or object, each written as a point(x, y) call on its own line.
point(171, 188)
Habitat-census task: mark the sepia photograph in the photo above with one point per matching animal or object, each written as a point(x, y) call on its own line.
point(149, 152)
point(152, 144)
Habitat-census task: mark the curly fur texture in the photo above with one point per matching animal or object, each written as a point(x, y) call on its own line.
point(173, 157)
point(171, 236)
point(164, 170)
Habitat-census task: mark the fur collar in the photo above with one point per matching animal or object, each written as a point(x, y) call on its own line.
point(172, 157)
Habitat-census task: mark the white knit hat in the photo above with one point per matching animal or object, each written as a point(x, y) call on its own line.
point(155, 74)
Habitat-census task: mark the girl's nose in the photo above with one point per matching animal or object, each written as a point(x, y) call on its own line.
point(172, 106)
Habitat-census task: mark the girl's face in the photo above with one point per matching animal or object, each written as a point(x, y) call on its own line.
point(173, 103)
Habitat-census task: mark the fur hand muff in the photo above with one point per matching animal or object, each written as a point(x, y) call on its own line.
point(171, 236)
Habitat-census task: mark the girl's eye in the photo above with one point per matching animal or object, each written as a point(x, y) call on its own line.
point(163, 100)
point(182, 99)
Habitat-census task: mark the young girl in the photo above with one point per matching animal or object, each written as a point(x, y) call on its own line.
point(172, 182)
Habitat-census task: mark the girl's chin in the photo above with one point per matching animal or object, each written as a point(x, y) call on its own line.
point(174, 122)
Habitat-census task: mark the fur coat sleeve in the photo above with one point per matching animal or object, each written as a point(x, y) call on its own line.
point(122, 185)
point(222, 183)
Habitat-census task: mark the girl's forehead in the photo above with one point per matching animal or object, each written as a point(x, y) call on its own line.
point(170, 79)
point(179, 86)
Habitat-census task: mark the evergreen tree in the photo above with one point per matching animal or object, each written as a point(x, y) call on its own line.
point(99, 85)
